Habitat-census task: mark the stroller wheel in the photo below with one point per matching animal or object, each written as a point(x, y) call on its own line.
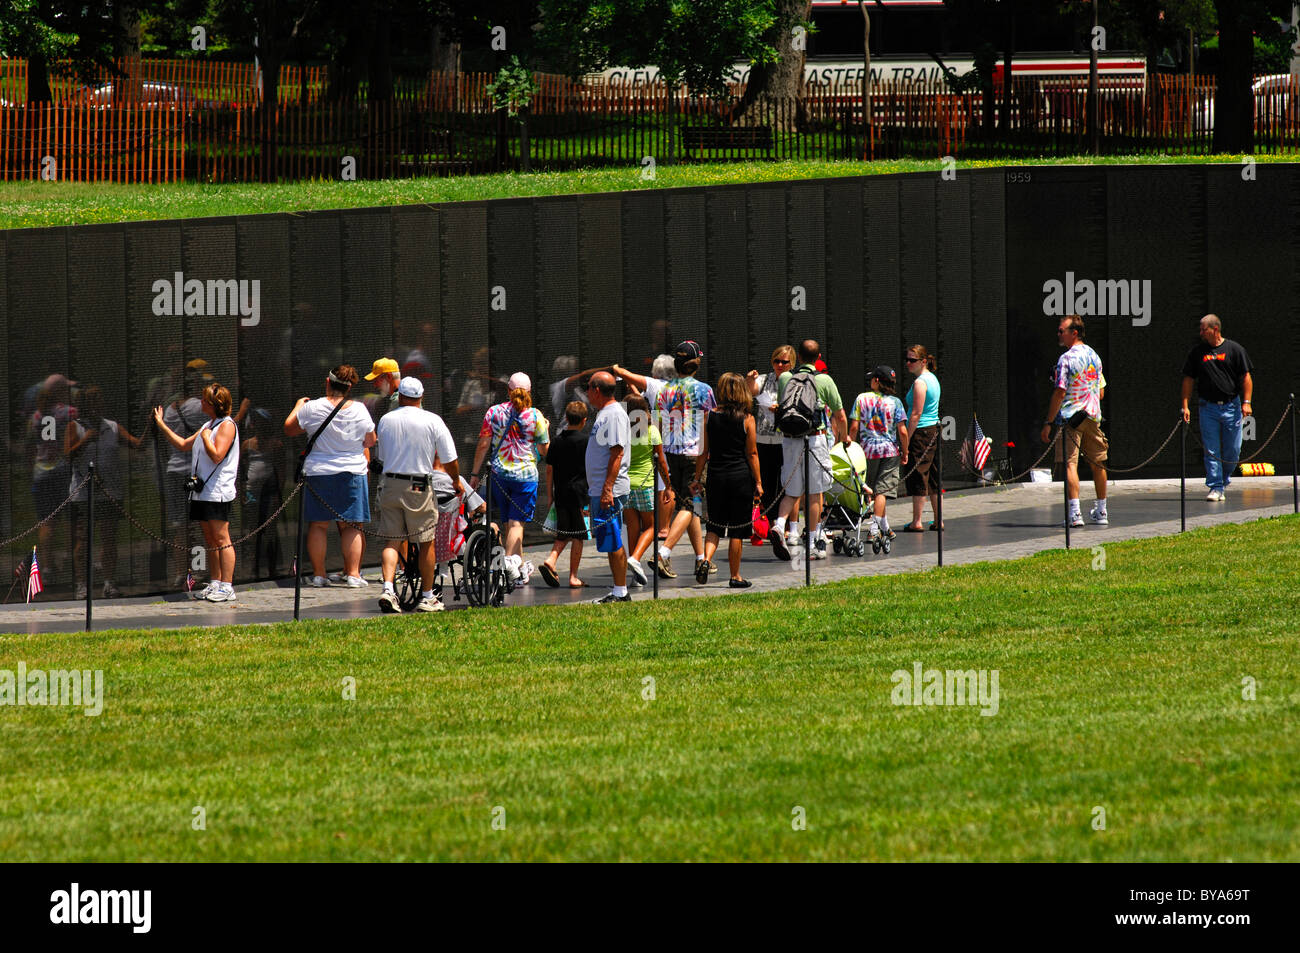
point(884, 545)
point(838, 545)
point(876, 545)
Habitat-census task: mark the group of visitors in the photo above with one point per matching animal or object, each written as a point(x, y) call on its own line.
point(708, 461)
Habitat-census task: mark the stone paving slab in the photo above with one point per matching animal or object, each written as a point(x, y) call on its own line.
point(982, 524)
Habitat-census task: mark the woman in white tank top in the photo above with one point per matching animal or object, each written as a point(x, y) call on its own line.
point(214, 460)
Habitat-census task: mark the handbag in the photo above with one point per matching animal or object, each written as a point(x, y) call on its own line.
point(311, 441)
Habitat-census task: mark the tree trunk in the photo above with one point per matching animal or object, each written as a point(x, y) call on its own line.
point(1234, 101)
point(445, 54)
point(773, 94)
point(1008, 53)
point(866, 78)
point(38, 78)
point(381, 55)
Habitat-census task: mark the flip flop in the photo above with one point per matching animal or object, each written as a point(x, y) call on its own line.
point(552, 578)
point(909, 528)
point(580, 585)
point(935, 528)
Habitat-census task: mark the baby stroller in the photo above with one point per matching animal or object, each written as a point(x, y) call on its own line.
point(846, 513)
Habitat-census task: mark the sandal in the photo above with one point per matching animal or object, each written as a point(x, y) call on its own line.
point(909, 528)
point(935, 528)
point(550, 575)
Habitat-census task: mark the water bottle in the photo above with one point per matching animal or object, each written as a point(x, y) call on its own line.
point(697, 504)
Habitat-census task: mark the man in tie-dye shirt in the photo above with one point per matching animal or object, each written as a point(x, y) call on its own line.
point(679, 407)
point(1076, 406)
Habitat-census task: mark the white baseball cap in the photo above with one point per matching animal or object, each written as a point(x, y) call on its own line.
point(519, 381)
point(410, 387)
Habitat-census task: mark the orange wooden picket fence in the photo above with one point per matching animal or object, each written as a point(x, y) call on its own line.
point(182, 120)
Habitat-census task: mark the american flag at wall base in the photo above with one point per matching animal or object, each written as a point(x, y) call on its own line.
point(975, 449)
point(34, 586)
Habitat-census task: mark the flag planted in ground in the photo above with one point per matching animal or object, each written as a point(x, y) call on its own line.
point(976, 447)
point(34, 586)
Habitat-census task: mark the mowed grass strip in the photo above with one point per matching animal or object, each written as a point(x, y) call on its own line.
point(1120, 688)
point(40, 204)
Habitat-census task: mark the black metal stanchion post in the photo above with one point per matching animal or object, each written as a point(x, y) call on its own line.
point(1182, 483)
point(1295, 476)
point(1065, 484)
point(654, 516)
point(90, 544)
point(938, 496)
point(807, 518)
point(297, 559)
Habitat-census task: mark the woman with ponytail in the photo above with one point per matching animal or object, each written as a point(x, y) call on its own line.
point(516, 434)
point(923, 428)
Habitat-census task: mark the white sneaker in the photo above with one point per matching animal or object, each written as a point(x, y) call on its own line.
point(1098, 515)
point(388, 602)
point(430, 605)
point(638, 571)
point(320, 582)
point(817, 552)
point(355, 582)
point(336, 577)
point(512, 564)
point(1074, 519)
point(526, 573)
point(202, 593)
point(1214, 496)
point(221, 595)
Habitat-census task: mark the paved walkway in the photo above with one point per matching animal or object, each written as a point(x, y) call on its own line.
point(982, 524)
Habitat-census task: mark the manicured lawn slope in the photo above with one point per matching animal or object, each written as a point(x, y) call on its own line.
point(1119, 688)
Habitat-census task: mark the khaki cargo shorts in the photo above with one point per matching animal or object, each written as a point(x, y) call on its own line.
point(405, 511)
point(1088, 435)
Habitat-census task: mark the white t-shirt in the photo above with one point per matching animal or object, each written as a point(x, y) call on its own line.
point(409, 439)
point(103, 451)
point(610, 429)
point(341, 447)
point(183, 422)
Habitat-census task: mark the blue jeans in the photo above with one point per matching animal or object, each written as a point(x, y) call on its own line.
point(1221, 435)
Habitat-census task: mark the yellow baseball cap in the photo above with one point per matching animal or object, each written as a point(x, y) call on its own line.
point(385, 365)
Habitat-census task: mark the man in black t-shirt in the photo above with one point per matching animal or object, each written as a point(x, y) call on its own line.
point(1220, 370)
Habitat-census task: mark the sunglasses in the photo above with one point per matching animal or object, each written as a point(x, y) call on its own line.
point(780, 361)
point(911, 360)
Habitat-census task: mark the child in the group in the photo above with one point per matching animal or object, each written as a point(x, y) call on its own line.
point(879, 423)
point(566, 484)
point(647, 461)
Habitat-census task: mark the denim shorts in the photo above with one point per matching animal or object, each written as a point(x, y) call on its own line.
point(348, 496)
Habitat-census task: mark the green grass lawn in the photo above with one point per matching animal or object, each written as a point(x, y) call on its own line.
point(38, 204)
point(1119, 689)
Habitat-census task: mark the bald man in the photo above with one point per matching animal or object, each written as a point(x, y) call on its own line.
point(1220, 370)
point(609, 451)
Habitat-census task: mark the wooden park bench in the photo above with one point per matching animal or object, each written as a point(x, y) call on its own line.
point(726, 139)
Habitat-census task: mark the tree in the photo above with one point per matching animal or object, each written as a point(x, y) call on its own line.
point(772, 95)
point(77, 40)
point(1234, 99)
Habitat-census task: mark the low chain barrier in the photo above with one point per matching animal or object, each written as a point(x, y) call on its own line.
point(99, 485)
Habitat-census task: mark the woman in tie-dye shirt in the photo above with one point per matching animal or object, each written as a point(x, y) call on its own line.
point(517, 434)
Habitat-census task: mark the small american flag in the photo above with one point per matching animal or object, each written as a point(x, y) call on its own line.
point(34, 586)
point(975, 449)
point(189, 581)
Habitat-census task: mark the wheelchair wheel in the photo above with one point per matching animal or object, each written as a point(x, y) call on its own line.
point(484, 577)
point(408, 587)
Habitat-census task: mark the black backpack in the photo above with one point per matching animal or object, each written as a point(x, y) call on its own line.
point(796, 414)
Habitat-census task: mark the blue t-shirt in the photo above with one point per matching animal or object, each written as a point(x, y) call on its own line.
point(930, 409)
